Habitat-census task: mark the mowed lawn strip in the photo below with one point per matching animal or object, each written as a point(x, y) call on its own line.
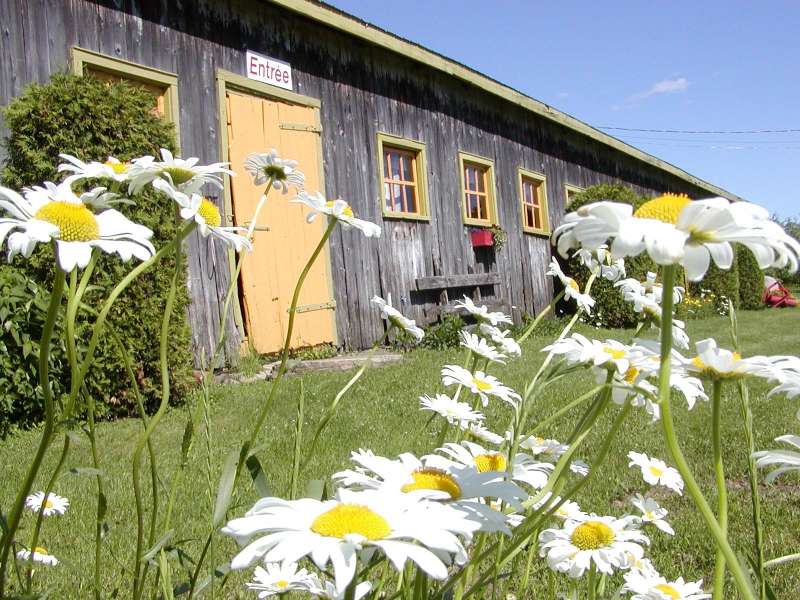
point(381, 413)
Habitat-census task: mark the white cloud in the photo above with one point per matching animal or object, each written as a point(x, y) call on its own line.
point(665, 86)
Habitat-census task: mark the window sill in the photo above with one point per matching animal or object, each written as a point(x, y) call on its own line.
point(406, 217)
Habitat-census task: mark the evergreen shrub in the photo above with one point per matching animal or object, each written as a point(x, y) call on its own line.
point(92, 120)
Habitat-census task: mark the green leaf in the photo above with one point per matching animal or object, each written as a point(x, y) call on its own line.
point(316, 489)
point(259, 478)
point(102, 506)
point(225, 488)
point(188, 432)
point(158, 546)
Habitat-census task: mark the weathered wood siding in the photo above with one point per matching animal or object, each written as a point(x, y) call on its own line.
point(364, 89)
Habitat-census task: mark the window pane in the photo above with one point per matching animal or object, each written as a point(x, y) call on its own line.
point(469, 172)
point(387, 197)
point(537, 218)
point(405, 164)
point(397, 197)
point(411, 199)
point(480, 174)
point(484, 208)
point(394, 165)
point(472, 206)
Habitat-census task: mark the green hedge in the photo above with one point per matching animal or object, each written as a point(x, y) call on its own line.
point(610, 309)
point(93, 120)
point(751, 279)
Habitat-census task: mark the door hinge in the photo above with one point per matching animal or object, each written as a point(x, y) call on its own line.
point(313, 307)
point(300, 127)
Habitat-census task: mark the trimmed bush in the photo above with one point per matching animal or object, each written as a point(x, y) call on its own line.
point(93, 120)
point(610, 309)
point(751, 279)
point(724, 285)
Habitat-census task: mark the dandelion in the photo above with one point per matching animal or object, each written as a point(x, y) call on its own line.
point(40, 555)
point(656, 471)
point(643, 586)
point(53, 504)
point(605, 541)
point(265, 166)
point(338, 210)
point(55, 213)
point(185, 175)
point(279, 578)
point(787, 460)
point(482, 314)
point(653, 512)
point(479, 383)
point(451, 409)
point(479, 347)
point(396, 318)
point(571, 288)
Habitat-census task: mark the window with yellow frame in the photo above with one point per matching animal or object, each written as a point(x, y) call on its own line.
point(570, 191)
point(533, 202)
point(402, 177)
point(477, 190)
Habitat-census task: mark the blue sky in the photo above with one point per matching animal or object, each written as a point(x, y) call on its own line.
point(710, 65)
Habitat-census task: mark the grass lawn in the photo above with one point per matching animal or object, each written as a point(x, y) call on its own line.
point(381, 413)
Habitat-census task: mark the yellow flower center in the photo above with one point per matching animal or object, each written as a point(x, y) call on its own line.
point(667, 589)
point(491, 462)
point(75, 222)
point(656, 471)
point(614, 353)
point(40, 550)
point(118, 167)
point(573, 284)
point(631, 375)
point(282, 584)
point(178, 175)
point(48, 504)
point(433, 479)
point(210, 213)
point(346, 519)
point(592, 535)
point(664, 208)
point(348, 211)
point(481, 384)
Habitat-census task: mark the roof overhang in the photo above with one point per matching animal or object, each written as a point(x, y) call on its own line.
point(337, 19)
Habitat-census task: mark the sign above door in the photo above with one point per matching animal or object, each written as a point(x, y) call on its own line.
point(268, 70)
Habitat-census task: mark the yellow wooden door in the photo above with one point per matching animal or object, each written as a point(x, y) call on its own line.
point(283, 239)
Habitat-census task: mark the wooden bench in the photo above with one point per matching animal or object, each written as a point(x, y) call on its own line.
point(468, 282)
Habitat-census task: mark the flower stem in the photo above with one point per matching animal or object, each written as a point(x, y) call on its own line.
point(742, 580)
point(532, 327)
point(14, 516)
point(722, 492)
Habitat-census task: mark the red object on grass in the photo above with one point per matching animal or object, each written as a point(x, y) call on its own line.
point(481, 238)
point(777, 295)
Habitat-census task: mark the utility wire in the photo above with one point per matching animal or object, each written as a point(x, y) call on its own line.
point(703, 131)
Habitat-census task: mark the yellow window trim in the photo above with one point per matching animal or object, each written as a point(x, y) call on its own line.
point(82, 58)
point(466, 157)
point(418, 148)
point(570, 189)
point(523, 174)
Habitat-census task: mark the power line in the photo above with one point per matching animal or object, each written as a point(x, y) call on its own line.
point(703, 131)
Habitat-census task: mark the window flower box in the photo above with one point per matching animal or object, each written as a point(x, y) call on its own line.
point(481, 238)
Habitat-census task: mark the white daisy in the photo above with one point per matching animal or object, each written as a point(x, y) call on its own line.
point(787, 460)
point(569, 509)
point(648, 306)
point(479, 432)
point(632, 386)
point(396, 318)
point(480, 347)
point(336, 209)
point(653, 512)
point(482, 314)
point(454, 411)
point(642, 565)
point(479, 383)
point(40, 555)
point(524, 469)
point(110, 169)
point(655, 587)
point(279, 578)
point(56, 213)
point(53, 505)
point(600, 263)
point(185, 175)
point(204, 212)
point(577, 349)
point(675, 230)
point(337, 531)
point(646, 358)
point(506, 343)
point(604, 541)
point(264, 166)
point(571, 288)
point(656, 471)
point(649, 287)
point(547, 448)
point(719, 363)
point(328, 591)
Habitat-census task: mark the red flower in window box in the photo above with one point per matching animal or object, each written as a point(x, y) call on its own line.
point(481, 238)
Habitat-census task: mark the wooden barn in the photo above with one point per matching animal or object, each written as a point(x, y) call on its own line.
point(431, 150)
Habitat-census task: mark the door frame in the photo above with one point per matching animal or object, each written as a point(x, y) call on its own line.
point(229, 81)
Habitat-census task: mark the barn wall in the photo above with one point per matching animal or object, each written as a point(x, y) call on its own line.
point(363, 89)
